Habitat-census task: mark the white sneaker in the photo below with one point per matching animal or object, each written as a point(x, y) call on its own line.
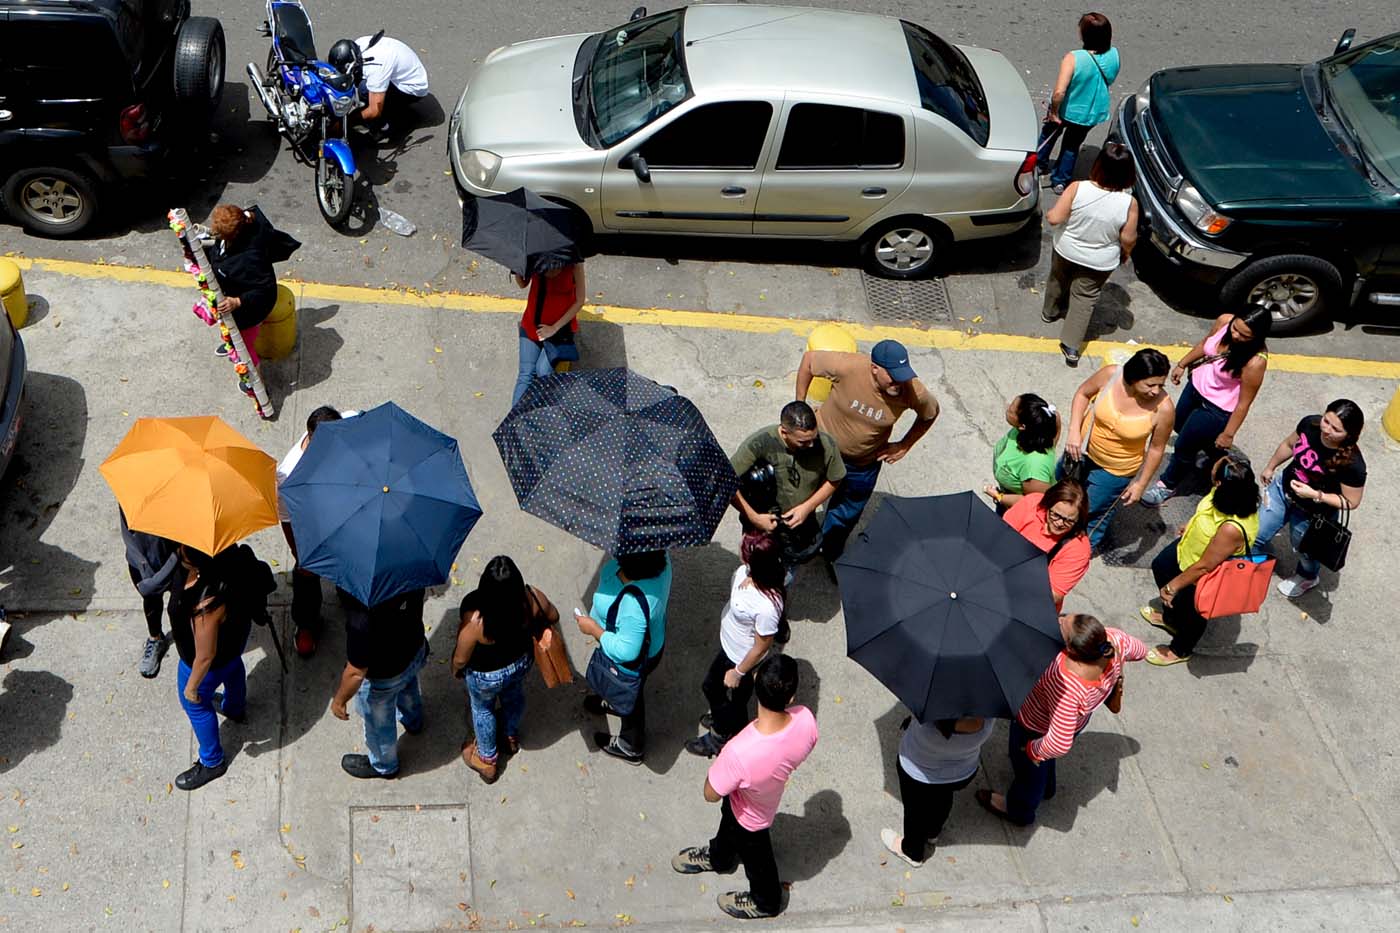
point(1297, 585)
point(892, 841)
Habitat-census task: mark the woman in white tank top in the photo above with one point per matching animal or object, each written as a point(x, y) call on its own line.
point(1098, 220)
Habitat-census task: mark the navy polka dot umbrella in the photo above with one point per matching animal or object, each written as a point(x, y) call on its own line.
point(616, 460)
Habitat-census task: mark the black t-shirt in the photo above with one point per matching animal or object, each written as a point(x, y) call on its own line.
point(1311, 464)
point(507, 650)
point(233, 631)
point(383, 639)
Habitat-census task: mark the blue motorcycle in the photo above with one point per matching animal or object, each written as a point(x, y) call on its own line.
point(311, 101)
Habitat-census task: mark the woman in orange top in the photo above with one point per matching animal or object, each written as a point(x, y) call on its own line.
point(1055, 522)
point(556, 296)
point(1118, 430)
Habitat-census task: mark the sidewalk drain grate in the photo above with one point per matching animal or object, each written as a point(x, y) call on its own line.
point(409, 867)
point(908, 301)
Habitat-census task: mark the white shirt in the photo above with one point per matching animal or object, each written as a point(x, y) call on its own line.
point(747, 613)
point(392, 62)
point(1091, 235)
point(289, 463)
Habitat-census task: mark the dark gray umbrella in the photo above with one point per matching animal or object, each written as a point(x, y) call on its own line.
point(948, 607)
point(616, 460)
point(521, 231)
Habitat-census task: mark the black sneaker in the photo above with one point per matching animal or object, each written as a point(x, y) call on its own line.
point(692, 861)
point(221, 350)
point(740, 905)
point(359, 766)
point(151, 652)
point(707, 721)
point(598, 706)
point(198, 775)
point(706, 746)
point(608, 744)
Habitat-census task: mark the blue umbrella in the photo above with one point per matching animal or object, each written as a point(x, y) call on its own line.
point(380, 504)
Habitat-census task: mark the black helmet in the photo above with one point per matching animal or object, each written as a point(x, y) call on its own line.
point(345, 58)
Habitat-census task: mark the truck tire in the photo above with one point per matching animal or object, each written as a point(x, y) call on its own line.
point(51, 201)
point(199, 66)
point(1299, 289)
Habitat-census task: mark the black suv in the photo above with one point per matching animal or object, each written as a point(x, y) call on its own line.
point(95, 92)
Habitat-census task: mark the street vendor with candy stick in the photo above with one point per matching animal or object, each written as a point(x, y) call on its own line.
point(242, 258)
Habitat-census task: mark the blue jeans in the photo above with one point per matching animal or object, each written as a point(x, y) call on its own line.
point(233, 677)
point(483, 689)
point(1198, 424)
point(845, 505)
point(1277, 510)
point(1030, 782)
point(534, 363)
point(1071, 136)
point(378, 700)
point(1103, 489)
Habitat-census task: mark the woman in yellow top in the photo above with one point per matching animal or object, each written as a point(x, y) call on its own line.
point(1226, 523)
point(1118, 429)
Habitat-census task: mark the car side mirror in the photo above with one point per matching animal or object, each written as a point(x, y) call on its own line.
point(637, 163)
point(641, 12)
point(1344, 42)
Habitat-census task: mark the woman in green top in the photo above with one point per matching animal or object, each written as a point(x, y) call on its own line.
point(1226, 523)
point(1024, 459)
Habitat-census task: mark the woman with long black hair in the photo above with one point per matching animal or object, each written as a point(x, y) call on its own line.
point(1024, 459)
point(1226, 370)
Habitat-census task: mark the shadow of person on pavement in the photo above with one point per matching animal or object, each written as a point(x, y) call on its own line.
point(32, 707)
point(805, 844)
point(312, 362)
point(888, 729)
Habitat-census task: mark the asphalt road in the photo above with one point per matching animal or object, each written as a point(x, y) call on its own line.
point(993, 288)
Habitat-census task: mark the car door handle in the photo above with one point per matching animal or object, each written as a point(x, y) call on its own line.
point(873, 192)
point(733, 191)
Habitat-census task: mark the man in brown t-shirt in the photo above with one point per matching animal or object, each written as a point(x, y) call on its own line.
point(868, 394)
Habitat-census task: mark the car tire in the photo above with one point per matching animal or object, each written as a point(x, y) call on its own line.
point(1301, 290)
point(51, 201)
point(906, 248)
point(199, 65)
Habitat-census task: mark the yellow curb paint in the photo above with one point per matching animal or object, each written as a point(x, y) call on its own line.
point(708, 320)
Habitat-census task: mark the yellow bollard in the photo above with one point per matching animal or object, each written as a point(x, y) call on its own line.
point(1391, 421)
point(827, 337)
point(12, 293)
point(278, 335)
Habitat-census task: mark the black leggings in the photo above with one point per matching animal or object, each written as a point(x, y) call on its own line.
point(926, 809)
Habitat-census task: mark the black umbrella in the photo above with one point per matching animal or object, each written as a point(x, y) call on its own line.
point(522, 231)
point(617, 460)
point(948, 607)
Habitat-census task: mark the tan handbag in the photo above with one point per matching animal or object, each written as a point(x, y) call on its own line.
point(551, 658)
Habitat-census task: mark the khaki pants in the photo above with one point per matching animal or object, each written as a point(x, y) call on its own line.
point(1078, 287)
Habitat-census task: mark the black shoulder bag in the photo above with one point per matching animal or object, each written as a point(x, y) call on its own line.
point(617, 683)
point(1327, 538)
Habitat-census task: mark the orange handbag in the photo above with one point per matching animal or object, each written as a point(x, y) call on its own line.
point(551, 658)
point(1237, 585)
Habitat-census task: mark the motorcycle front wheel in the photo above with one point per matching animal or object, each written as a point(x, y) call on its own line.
point(335, 192)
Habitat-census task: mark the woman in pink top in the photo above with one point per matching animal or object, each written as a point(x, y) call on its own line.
point(1075, 684)
point(1226, 368)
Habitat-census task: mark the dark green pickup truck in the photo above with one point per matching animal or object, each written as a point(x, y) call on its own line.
point(1277, 184)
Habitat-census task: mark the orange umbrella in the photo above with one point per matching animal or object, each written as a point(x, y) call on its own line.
point(192, 480)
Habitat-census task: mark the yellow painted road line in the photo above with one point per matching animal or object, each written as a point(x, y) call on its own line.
point(938, 339)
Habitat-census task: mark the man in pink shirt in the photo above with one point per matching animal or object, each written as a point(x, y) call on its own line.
point(749, 776)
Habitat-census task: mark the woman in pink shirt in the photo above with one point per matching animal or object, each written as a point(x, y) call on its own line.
point(1075, 684)
point(1226, 370)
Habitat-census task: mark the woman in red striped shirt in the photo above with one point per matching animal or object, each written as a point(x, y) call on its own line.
point(1075, 684)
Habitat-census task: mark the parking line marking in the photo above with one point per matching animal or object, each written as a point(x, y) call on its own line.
point(936, 339)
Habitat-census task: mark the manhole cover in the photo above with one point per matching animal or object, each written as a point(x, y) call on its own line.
point(409, 867)
point(913, 301)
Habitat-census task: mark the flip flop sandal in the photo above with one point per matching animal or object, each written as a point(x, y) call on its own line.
point(984, 799)
point(1157, 660)
point(1158, 622)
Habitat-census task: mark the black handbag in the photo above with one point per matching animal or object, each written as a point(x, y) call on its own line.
point(1327, 538)
point(759, 486)
point(560, 347)
point(614, 681)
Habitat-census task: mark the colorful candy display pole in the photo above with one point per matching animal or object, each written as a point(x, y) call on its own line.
point(207, 310)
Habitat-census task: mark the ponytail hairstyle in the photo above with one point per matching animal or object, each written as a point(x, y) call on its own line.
point(1353, 419)
point(763, 554)
point(1040, 423)
point(1259, 320)
point(1088, 641)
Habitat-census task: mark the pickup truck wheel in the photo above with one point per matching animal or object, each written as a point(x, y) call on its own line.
point(51, 201)
point(1300, 290)
point(199, 65)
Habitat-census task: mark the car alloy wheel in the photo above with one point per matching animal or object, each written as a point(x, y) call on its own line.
point(1287, 295)
point(51, 201)
point(904, 249)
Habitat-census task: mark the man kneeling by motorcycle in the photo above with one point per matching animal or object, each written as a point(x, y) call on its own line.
point(394, 79)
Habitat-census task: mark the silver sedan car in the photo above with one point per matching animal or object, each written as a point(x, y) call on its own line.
point(760, 121)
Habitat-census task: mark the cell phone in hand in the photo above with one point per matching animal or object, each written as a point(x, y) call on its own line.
point(580, 612)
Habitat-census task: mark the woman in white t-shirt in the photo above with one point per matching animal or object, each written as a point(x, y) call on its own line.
point(1099, 220)
point(746, 630)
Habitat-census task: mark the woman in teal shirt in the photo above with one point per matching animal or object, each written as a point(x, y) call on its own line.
point(650, 572)
point(1024, 459)
point(1081, 98)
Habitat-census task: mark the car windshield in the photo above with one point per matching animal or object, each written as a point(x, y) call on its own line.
point(948, 85)
point(638, 73)
point(1365, 89)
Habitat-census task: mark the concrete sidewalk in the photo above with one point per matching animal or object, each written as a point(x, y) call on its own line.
point(1248, 789)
